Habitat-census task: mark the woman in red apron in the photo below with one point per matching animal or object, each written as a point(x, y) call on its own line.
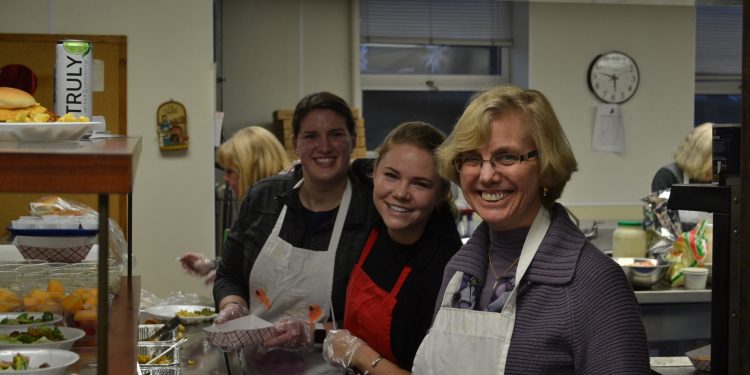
point(394, 285)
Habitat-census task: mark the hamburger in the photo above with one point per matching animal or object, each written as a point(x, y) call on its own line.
point(19, 106)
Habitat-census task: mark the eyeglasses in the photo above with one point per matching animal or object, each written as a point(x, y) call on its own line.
point(475, 161)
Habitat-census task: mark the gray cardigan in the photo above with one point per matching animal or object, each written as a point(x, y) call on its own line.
point(577, 313)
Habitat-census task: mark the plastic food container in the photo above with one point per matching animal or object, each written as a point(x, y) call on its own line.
point(629, 240)
point(695, 277)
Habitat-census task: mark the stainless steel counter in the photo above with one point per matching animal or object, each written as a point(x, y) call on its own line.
point(673, 366)
point(676, 320)
point(663, 293)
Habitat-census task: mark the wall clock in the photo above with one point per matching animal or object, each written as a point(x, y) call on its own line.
point(613, 77)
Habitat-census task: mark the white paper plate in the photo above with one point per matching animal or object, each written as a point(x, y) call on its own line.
point(57, 359)
point(70, 334)
point(169, 311)
point(47, 131)
point(36, 315)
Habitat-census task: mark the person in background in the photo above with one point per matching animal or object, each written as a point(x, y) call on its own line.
point(527, 294)
point(248, 156)
point(393, 288)
point(290, 252)
point(692, 160)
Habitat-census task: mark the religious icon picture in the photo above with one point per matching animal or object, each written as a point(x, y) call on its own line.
point(171, 126)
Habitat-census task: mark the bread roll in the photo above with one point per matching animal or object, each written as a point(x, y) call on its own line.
point(12, 98)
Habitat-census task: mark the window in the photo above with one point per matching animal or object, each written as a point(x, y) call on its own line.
point(423, 59)
point(718, 64)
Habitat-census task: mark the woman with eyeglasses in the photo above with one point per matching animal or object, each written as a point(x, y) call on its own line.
point(527, 294)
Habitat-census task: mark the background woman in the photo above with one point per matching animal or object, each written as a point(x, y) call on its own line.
point(692, 160)
point(289, 254)
point(392, 290)
point(249, 155)
point(528, 294)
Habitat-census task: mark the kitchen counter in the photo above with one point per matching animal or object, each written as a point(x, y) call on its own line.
point(674, 366)
point(663, 293)
point(197, 357)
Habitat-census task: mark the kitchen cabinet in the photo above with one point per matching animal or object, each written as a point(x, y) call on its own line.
point(102, 167)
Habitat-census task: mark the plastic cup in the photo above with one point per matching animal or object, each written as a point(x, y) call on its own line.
point(695, 277)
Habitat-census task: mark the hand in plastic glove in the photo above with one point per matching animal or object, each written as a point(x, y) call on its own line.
point(210, 278)
point(196, 264)
point(291, 334)
point(340, 347)
point(231, 311)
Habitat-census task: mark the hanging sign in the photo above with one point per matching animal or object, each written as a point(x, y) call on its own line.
point(171, 126)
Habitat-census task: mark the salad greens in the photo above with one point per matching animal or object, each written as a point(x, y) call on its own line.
point(25, 318)
point(33, 335)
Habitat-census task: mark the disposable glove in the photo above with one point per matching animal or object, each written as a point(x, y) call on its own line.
point(340, 347)
point(196, 264)
point(210, 278)
point(231, 311)
point(291, 334)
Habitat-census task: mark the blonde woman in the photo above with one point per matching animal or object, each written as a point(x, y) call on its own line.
point(528, 293)
point(692, 160)
point(250, 155)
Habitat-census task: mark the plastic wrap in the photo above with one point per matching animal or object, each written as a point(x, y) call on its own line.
point(54, 205)
point(667, 241)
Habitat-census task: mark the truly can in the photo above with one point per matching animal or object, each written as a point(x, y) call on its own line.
point(73, 78)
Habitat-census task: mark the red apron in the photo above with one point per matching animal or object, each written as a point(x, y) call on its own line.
point(369, 308)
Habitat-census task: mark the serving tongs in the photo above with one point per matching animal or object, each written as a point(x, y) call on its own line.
point(167, 350)
point(170, 325)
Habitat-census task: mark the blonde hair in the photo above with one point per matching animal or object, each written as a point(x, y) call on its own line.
point(556, 160)
point(694, 154)
point(255, 153)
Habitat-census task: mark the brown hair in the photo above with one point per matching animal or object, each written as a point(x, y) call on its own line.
point(322, 100)
point(556, 160)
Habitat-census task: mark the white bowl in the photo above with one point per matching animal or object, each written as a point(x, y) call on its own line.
point(170, 311)
point(70, 336)
point(36, 315)
point(57, 359)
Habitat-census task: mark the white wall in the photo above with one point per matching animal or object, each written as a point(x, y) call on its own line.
point(275, 52)
point(169, 57)
point(564, 39)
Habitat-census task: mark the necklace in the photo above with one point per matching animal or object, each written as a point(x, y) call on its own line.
point(492, 269)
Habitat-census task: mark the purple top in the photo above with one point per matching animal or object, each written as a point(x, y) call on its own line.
point(577, 313)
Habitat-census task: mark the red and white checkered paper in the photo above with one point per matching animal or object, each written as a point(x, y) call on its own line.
point(242, 332)
point(54, 249)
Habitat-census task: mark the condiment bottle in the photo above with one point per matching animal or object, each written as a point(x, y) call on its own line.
point(629, 240)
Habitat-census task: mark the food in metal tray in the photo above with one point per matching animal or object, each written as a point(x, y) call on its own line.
point(195, 313)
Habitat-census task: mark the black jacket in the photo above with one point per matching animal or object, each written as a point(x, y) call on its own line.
point(258, 213)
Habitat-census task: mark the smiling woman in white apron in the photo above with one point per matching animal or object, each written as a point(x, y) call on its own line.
point(296, 239)
point(527, 294)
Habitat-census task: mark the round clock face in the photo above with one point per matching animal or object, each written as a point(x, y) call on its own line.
point(613, 77)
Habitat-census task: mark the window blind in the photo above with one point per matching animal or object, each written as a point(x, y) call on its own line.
point(718, 40)
point(466, 22)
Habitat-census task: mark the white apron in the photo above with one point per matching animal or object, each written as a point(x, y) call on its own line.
point(468, 341)
point(293, 283)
